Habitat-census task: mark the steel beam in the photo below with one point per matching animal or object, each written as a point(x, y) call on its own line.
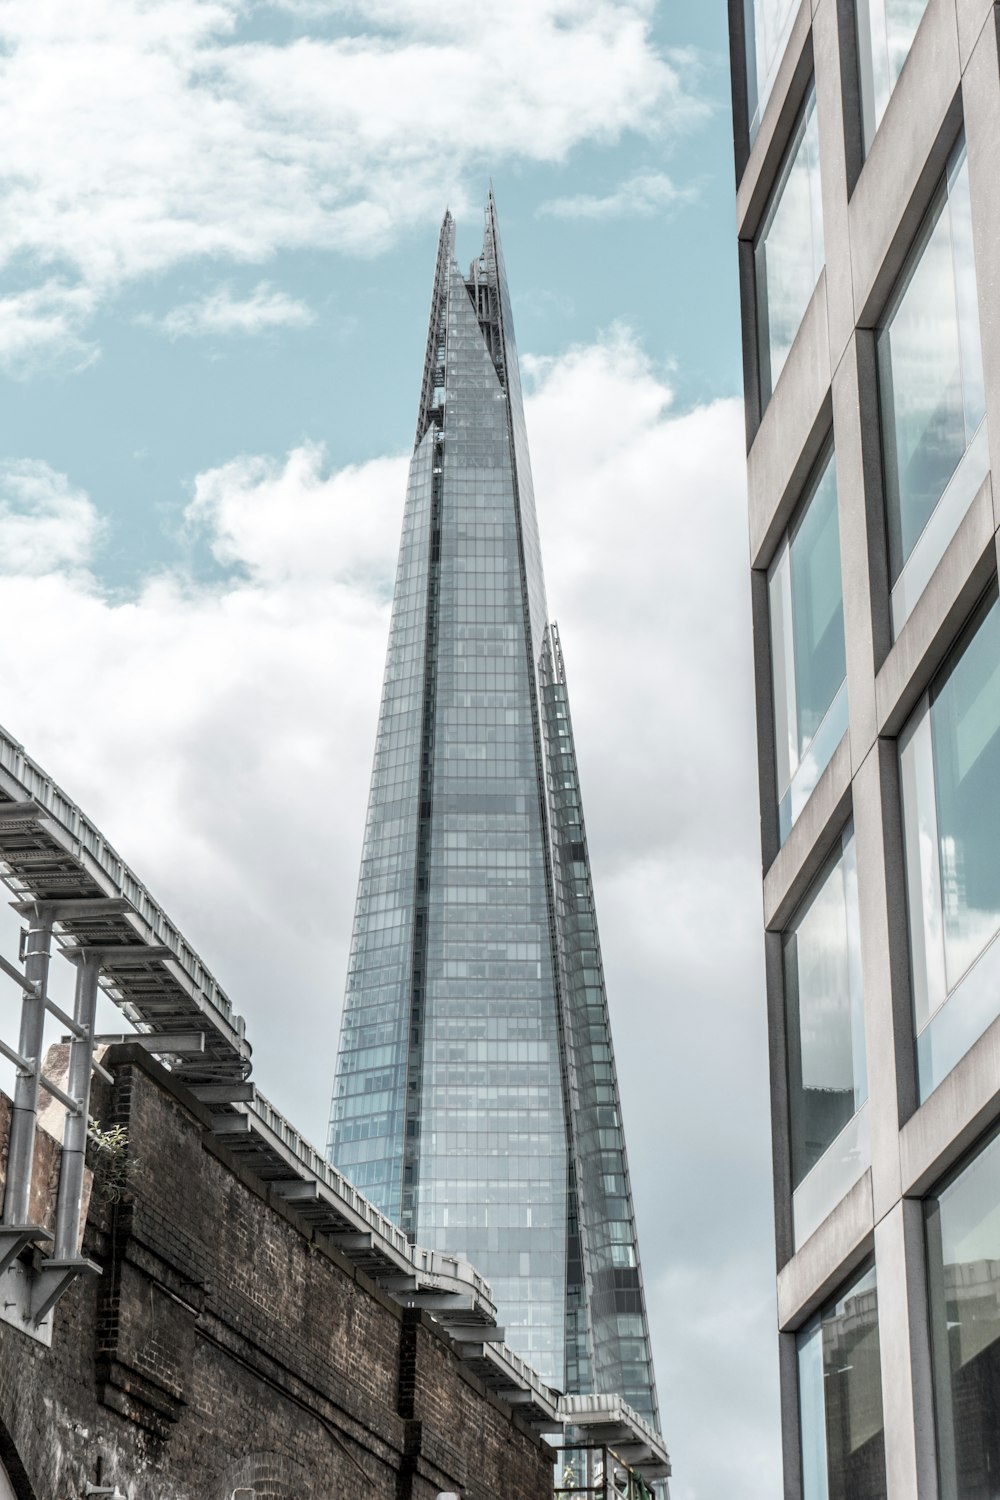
point(16, 1206)
point(81, 1057)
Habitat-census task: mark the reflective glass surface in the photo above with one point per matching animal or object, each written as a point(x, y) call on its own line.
point(963, 1273)
point(475, 972)
point(789, 256)
point(827, 1071)
point(767, 24)
point(950, 774)
point(931, 387)
point(840, 1399)
point(886, 29)
point(604, 1284)
point(807, 646)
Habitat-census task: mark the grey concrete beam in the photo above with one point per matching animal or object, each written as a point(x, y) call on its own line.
point(795, 425)
point(964, 1105)
point(906, 160)
point(964, 571)
point(827, 1258)
point(972, 17)
point(811, 839)
point(904, 1345)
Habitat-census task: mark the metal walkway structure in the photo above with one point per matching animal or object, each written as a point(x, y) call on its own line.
point(79, 900)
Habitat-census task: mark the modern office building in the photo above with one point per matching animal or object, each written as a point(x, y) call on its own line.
point(868, 204)
point(475, 1100)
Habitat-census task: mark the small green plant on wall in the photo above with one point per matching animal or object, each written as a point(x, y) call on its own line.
point(112, 1167)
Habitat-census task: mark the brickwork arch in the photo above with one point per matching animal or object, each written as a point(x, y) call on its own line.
point(265, 1476)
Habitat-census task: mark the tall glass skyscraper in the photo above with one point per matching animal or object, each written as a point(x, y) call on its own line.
point(475, 1100)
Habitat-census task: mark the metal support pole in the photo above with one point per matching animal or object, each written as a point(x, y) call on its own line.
point(17, 1198)
point(81, 1054)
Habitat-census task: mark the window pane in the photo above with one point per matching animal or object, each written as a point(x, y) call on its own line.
point(850, 1390)
point(768, 23)
point(789, 253)
point(931, 379)
point(963, 1255)
point(807, 647)
point(826, 1043)
point(965, 730)
point(886, 29)
point(817, 608)
point(950, 774)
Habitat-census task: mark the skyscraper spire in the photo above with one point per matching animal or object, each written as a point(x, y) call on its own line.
point(475, 1100)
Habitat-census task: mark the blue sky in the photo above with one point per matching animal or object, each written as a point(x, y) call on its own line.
point(217, 251)
point(133, 410)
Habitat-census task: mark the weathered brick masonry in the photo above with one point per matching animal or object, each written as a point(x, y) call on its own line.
point(226, 1350)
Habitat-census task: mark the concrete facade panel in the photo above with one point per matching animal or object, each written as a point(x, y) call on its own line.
point(906, 160)
point(795, 425)
point(960, 577)
point(827, 1258)
point(810, 841)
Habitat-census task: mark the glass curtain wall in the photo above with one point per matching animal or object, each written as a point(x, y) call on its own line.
point(808, 658)
point(827, 1066)
point(950, 772)
point(486, 1161)
point(963, 1273)
point(933, 404)
point(840, 1398)
point(767, 25)
point(886, 29)
point(789, 255)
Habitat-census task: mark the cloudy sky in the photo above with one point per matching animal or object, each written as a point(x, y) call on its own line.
point(217, 243)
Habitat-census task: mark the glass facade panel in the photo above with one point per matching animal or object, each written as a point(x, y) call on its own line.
point(840, 1399)
point(827, 1071)
point(950, 774)
point(807, 646)
point(476, 982)
point(886, 29)
point(767, 24)
point(963, 1273)
point(931, 390)
point(788, 256)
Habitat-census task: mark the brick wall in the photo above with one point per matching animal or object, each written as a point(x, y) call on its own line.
point(224, 1350)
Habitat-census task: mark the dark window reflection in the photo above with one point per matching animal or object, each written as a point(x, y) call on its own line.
point(963, 1249)
point(840, 1397)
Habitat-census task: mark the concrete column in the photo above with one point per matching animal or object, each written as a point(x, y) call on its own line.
point(827, 55)
point(781, 1148)
point(907, 1393)
point(790, 1454)
point(884, 965)
point(863, 561)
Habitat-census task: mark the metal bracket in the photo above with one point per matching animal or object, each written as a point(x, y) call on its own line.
point(474, 1333)
point(17, 1237)
point(53, 1278)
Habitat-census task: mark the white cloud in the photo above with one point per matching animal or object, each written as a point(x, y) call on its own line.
point(220, 313)
point(45, 323)
point(45, 524)
point(229, 755)
point(642, 195)
point(138, 136)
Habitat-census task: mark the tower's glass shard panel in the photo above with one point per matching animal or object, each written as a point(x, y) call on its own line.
point(367, 1121)
point(475, 1099)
